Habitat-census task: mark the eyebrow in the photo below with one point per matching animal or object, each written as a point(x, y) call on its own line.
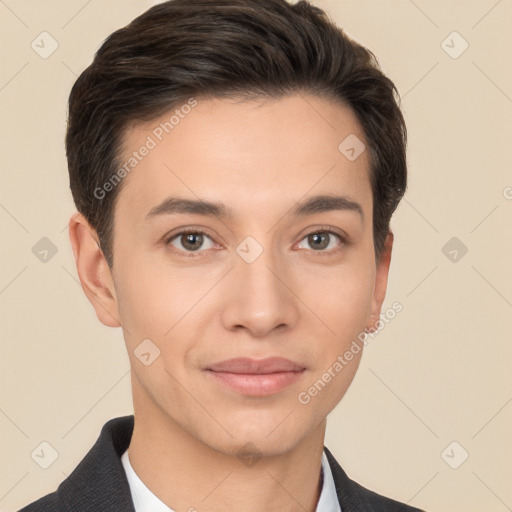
point(316, 204)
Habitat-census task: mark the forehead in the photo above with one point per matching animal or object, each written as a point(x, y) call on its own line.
point(251, 154)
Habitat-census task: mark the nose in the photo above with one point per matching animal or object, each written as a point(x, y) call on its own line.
point(259, 296)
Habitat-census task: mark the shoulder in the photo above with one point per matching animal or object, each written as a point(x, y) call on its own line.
point(98, 482)
point(48, 503)
point(383, 503)
point(354, 497)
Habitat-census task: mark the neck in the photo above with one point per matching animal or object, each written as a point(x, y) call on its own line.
point(187, 474)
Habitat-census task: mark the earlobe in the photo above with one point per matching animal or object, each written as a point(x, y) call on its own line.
point(93, 270)
point(381, 282)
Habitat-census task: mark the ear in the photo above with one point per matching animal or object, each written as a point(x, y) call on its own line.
point(93, 271)
point(381, 282)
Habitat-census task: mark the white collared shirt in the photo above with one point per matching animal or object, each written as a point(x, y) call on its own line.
point(145, 501)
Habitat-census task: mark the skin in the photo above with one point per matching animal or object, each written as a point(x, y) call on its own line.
point(260, 158)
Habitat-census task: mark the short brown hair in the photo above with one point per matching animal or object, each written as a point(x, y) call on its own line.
point(268, 48)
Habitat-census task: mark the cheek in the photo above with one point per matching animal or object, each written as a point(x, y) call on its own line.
point(352, 309)
point(162, 302)
point(148, 302)
point(342, 296)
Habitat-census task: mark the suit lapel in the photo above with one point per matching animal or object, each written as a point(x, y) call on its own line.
point(99, 482)
point(349, 494)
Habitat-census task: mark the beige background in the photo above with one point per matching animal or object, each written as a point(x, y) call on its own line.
point(438, 373)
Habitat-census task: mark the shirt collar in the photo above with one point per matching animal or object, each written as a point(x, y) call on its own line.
point(145, 501)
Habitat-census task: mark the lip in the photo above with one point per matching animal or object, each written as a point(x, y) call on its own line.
point(256, 377)
point(256, 366)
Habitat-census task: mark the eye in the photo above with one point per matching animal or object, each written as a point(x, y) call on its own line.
point(322, 241)
point(190, 241)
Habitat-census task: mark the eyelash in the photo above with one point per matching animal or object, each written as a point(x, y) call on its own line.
point(322, 230)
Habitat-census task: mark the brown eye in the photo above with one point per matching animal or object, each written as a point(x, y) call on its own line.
point(319, 240)
point(191, 241)
point(322, 240)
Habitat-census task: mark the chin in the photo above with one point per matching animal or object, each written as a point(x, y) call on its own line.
point(255, 440)
point(248, 447)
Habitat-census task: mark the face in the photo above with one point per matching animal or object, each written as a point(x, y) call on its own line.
point(244, 233)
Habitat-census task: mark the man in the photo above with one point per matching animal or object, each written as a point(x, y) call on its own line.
point(235, 165)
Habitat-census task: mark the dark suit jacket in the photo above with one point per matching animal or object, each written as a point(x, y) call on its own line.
point(99, 484)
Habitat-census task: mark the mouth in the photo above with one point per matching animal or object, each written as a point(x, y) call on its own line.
point(256, 377)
